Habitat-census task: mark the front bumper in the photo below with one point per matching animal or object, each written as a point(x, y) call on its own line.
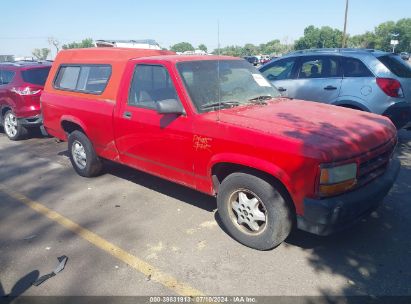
point(33, 121)
point(399, 113)
point(326, 216)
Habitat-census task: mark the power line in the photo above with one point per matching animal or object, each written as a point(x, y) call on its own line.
point(16, 38)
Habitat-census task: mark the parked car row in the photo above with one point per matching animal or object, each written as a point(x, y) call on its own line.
point(215, 124)
point(366, 80)
point(253, 60)
point(256, 60)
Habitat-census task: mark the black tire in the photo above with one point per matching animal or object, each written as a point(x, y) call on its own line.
point(279, 215)
point(93, 165)
point(15, 132)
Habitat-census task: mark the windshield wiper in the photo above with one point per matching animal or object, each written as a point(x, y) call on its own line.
point(261, 99)
point(227, 104)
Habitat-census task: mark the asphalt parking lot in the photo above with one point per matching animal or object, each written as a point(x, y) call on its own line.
point(128, 233)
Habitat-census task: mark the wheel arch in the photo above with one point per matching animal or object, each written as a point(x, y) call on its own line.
point(3, 111)
point(221, 168)
point(351, 104)
point(71, 123)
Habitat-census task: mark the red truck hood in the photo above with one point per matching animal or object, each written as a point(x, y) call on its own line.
point(337, 132)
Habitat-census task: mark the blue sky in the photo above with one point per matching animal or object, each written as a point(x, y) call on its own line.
point(27, 24)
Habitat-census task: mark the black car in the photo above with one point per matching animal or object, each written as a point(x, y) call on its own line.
point(252, 59)
point(405, 55)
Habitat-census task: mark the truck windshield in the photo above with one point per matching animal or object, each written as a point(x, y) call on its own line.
point(212, 84)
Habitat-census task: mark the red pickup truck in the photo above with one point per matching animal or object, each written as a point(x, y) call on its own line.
point(214, 124)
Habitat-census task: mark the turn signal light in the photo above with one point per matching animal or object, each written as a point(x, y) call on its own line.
point(334, 189)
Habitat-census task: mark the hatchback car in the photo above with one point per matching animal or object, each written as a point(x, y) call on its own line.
point(21, 84)
point(367, 80)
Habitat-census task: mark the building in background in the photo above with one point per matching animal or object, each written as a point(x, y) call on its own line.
point(7, 58)
point(25, 58)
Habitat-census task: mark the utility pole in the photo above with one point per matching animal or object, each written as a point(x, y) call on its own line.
point(344, 39)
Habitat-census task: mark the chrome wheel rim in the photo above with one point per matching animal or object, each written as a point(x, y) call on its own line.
point(79, 154)
point(10, 125)
point(247, 211)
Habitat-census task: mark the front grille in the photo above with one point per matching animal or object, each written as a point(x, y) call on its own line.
point(373, 167)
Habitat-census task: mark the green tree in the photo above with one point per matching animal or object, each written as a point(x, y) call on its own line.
point(274, 47)
point(41, 54)
point(250, 49)
point(367, 41)
point(385, 32)
point(403, 28)
point(85, 43)
point(182, 47)
point(382, 35)
point(202, 47)
point(271, 47)
point(231, 50)
point(324, 37)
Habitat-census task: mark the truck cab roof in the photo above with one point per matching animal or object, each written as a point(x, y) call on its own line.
point(116, 59)
point(107, 54)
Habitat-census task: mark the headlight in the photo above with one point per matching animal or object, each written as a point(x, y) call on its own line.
point(335, 180)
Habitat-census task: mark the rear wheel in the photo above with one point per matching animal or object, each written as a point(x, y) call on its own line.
point(13, 129)
point(253, 211)
point(82, 155)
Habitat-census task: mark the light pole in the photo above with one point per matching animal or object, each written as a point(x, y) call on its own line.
point(344, 41)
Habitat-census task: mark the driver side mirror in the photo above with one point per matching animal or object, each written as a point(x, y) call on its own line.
point(169, 106)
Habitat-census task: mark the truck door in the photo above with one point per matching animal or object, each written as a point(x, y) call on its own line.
point(160, 144)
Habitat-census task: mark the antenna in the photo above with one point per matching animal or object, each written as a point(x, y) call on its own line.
point(218, 70)
point(218, 37)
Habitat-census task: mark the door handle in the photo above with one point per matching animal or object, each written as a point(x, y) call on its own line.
point(330, 87)
point(281, 89)
point(127, 115)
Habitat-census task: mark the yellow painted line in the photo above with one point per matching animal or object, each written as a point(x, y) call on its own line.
point(145, 268)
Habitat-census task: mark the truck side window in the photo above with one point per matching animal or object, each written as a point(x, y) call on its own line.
point(150, 84)
point(83, 78)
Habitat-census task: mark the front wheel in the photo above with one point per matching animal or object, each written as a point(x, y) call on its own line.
point(253, 211)
point(13, 129)
point(82, 155)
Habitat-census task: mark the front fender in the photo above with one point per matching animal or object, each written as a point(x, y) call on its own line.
point(254, 163)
